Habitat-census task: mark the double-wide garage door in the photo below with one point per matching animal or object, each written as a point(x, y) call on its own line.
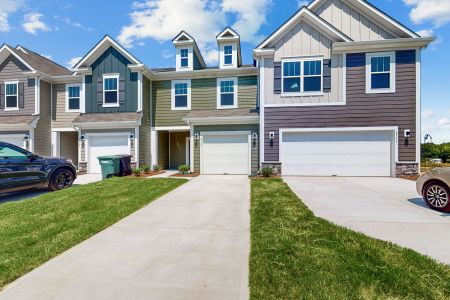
point(101, 145)
point(15, 139)
point(225, 153)
point(360, 153)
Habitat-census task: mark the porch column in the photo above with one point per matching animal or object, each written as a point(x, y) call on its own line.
point(154, 147)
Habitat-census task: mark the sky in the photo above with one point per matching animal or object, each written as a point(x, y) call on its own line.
point(65, 30)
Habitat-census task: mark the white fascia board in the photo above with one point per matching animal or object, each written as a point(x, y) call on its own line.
point(205, 73)
point(101, 47)
point(222, 120)
point(107, 125)
point(304, 12)
point(172, 128)
point(380, 46)
point(7, 48)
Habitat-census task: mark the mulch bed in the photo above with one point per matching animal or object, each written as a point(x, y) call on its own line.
point(262, 177)
point(410, 177)
point(185, 175)
point(152, 173)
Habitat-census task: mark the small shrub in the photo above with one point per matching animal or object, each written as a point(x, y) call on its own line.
point(266, 171)
point(146, 169)
point(183, 169)
point(136, 172)
point(156, 168)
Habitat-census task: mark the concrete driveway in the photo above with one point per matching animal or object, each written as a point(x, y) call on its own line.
point(385, 208)
point(193, 243)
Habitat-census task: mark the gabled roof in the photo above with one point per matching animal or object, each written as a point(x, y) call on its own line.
point(7, 50)
point(101, 47)
point(184, 38)
point(377, 15)
point(229, 35)
point(307, 14)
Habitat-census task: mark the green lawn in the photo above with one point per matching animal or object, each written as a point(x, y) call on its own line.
point(295, 255)
point(35, 230)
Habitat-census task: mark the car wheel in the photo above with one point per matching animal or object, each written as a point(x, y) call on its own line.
point(62, 179)
point(437, 196)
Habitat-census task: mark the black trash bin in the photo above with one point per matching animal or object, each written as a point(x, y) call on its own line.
point(125, 165)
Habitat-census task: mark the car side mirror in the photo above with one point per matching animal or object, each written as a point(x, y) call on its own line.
point(31, 156)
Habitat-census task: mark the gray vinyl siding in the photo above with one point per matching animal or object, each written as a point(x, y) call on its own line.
point(42, 133)
point(352, 22)
point(204, 97)
point(111, 61)
point(61, 118)
point(361, 109)
point(144, 129)
point(197, 65)
point(255, 145)
point(12, 70)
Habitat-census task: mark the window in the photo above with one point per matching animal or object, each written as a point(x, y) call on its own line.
point(181, 95)
point(184, 55)
point(302, 76)
point(11, 96)
point(227, 93)
point(73, 98)
point(7, 152)
point(110, 90)
point(380, 72)
point(228, 55)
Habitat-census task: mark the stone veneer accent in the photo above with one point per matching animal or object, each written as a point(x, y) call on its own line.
point(82, 167)
point(402, 169)
point(276, 166)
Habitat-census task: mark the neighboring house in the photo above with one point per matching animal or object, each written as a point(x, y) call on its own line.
point(103, 109)
point(203, 117)
point(340, 92)
point(25, 98)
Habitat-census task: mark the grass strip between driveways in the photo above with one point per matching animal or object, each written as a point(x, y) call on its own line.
point(295, 255)
point(36, 230)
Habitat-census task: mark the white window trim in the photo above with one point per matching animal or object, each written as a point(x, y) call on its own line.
point(67, 97)
point(225, 55)
point(190, 66)
point(17, 96)
point(302, 77)
point(235, 98)
point(108, 76)
point(188, 82)
point(234, 56)
point(369, 57)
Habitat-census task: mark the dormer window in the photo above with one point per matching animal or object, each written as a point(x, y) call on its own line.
point(184, 56)
point(228, 54)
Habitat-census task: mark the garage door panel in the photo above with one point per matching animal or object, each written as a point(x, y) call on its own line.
point(14, 140)
point(337, 153)
point(105, 145)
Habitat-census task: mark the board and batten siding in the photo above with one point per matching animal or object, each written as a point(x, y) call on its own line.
point(61, 118)
point(144, 129)
point(203, 97)
point(42, 133)
point(351, 21)
point(361, 109)
point(111, 62)
point(254, 147)
point(12, 70)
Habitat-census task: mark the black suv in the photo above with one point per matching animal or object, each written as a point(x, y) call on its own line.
point(21, 169)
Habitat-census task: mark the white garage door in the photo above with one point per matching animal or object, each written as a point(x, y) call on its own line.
point(14, 139)
point(225, 154)
point(360, 153)
point(101, 145)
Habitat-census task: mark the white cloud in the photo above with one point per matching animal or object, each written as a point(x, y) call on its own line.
point(425, 32)
point(76, 24)
point(72, 62)
point(6, 8)
point(444, 122)
point(427, 113)
point(167, 53)
point(436, 11)
point(301, 3)
point(32, 23)
point(211, 56)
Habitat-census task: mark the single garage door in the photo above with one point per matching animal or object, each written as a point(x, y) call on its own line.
point(14, 139)
point(225, 154)
point(361, 153)
point(101, 145)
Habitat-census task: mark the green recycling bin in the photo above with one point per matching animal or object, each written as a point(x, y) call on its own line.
point(110, 165)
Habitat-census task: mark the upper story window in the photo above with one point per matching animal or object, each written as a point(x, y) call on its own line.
point(184, 56)
point(302, 77)
point(228, 55)
point(181, 95)
point(380, 72)
point(111, 90)
point(227, 93)
point(11, 96)
point(73, 97)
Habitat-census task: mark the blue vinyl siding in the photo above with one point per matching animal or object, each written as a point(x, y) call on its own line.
point(111, 61)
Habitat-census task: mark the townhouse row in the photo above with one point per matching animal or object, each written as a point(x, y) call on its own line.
point(334, 91)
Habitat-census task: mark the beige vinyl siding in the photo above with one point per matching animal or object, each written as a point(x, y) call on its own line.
point(254, 146)
point(69, 146)
point(203, 97)
point(351, 22)
point(12, 70)
point(42, 133)
point(61, 118)
point(144, 129)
